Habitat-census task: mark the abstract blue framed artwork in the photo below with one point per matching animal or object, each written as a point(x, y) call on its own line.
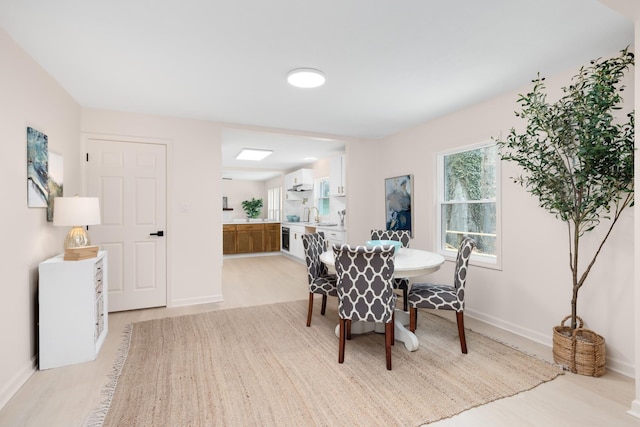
point(398, 193)
point(37, 169)
point(56, 174)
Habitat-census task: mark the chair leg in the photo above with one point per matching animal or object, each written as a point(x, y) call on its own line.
point(310, 311)
point(342, 341)
point(324, 304)
point(349, 329)
point(388, 334)
point(463, 340)
point(413, 318)
point(405, 299)
point(393, 328)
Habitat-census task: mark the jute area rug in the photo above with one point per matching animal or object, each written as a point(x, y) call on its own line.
point(261, 366)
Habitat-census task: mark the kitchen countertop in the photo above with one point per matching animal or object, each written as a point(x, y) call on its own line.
point(314, 225)
point(267, 221)
point(289, 223)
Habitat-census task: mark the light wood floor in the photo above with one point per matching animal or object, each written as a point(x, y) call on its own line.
point(66, 396)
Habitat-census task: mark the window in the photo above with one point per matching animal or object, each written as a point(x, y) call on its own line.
point(467, 201)
point(322, 196)
point(274, 203)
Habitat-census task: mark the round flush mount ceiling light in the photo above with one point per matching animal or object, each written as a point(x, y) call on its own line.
point(306, 78)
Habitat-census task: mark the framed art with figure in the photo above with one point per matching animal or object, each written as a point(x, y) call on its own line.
point(398, 192)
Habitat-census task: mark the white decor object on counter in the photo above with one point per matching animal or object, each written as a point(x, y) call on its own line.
point(72, 300)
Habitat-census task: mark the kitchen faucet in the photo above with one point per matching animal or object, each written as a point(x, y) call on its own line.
point(316, 219)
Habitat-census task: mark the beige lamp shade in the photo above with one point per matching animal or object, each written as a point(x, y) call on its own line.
point(76, 212)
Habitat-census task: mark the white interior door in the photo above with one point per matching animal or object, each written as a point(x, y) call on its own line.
point(130, 180)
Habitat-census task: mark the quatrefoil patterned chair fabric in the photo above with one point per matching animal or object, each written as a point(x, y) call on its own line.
point(443, 297)
point(404, 237)
point(320, 280)
point(365, 288)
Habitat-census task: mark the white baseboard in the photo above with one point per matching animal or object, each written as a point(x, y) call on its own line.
point(635, 409)
point(196, 301)
point(18, 380)
point(613, 364)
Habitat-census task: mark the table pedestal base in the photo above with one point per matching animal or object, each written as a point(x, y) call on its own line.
point(402, 334)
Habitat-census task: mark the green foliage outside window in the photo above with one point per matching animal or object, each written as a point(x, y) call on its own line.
point(469, 199)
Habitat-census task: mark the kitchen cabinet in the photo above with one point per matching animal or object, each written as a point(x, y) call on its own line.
point(229, 239)
point(296, 247)
point(333, 235)
point(302, 179)
point(72, 310)
point(271, 237)
point(289, 194)
point(298, 185)
point(249, 238)
point(337, 177)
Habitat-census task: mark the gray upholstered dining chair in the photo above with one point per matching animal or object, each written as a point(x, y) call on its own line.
point(444, 297)
point(320, 280)
point(404, 237)
point(365, 290)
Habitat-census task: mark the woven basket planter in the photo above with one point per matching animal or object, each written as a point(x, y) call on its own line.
point(581, 352)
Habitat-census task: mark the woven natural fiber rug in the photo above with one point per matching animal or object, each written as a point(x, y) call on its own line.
point(261, 366)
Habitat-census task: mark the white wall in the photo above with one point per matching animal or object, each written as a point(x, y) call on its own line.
point(30, 97)
point(532, 292)
point(194, 238)
point(237, 191)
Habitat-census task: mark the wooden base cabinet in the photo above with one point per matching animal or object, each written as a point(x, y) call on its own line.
point(229, 239)
point(249, 238)
point(72, 300)
point(272, 237)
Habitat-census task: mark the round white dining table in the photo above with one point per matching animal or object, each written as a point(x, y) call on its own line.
point(408, 263)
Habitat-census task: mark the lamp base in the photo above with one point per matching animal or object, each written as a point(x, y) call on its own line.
point(76, 238)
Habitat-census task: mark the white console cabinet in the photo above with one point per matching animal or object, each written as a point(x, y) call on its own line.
point(72, 299)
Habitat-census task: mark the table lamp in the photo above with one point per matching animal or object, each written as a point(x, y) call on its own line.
point(76, 212)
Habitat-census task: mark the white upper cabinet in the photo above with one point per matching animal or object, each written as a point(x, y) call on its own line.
point(296, 183)
point(337, 178)
point(300, 180)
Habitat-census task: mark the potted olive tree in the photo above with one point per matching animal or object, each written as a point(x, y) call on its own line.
point(252, 207)
point(576, 155)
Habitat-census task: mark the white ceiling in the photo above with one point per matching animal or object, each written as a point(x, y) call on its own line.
point(389, 64)
point(289, 152)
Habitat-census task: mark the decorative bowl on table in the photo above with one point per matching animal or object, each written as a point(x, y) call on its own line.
point(395, 243)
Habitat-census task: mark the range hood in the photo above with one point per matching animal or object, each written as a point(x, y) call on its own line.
point(301, 187)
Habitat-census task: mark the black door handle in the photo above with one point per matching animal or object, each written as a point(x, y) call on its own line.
point(159, 233)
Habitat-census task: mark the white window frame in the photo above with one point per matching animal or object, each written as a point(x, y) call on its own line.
point(274, 203)
point(316, 196)
point(476, 259)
